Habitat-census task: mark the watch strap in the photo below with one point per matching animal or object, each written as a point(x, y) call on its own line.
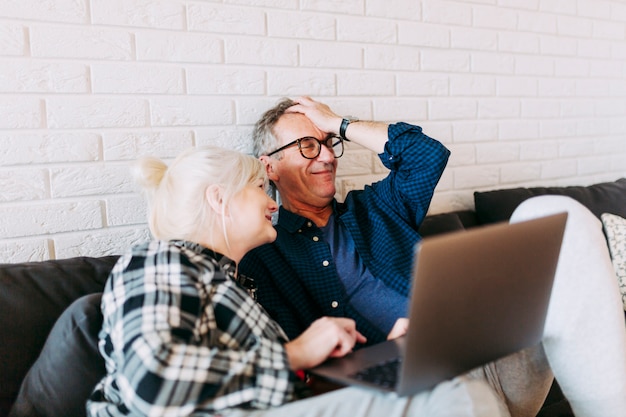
point(342, 129)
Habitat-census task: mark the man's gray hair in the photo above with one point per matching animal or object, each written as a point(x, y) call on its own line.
point(263, 139)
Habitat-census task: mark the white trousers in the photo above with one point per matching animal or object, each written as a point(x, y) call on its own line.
point(584, 341)
point(460, 397)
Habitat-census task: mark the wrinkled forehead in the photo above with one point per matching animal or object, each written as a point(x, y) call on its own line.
point(292, 126)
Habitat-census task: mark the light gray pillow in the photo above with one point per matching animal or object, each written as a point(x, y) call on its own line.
point(615, 231)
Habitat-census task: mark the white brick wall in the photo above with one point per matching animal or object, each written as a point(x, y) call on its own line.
point(524, 92)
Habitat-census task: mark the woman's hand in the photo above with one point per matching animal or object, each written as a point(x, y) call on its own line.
point(399, 328)
point(327, 337)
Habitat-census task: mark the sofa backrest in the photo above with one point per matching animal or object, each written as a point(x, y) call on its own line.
point(498, 205)
point(32, 297)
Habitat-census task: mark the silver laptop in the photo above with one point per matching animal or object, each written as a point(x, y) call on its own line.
point(477, 295)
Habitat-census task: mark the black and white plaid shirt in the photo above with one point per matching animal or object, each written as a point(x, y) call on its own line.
point(180, 336)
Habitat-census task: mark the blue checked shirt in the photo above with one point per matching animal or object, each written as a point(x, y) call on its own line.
point(181, 336)
point(296, 275)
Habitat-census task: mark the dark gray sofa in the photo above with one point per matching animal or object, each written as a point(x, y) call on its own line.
point(50, 314)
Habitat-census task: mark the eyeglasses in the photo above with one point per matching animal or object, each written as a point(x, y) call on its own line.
point(310, 147)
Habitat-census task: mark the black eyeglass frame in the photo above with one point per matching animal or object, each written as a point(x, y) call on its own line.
point(319, 146)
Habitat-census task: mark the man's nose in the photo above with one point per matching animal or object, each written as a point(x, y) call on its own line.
point(326, 154)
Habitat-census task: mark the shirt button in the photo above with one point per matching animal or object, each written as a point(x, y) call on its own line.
point(325, 263)
point(315, 238)
point(334, 304)
point(309, 224)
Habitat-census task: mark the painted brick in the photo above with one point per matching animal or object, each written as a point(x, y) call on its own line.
point(99, 243)
point(137, 78)
point(520, 4)
point(474, 131)
point(558, 169)
point(452, 109)
point(446, 61)
point(90, 180)
point(22, 112)
point(472, 178)
point(225, 81)
point(24, 250)
point(275, 4)
point(540, 109)
point(423, 34)
point(577, 108)
point(558, 6)
point(93, 112)
point(494, 18)
point(524, 43)
point(594, 8)
point(270, 52)
point(492, 63)
point(539, 150)
point(249, 109)
point(472, 85)
point(394, 9)
point(423, 84)
point(472, 38)
point(498, 108)
point(298, 25)
point(574, 26)
point(51, 217)
point(12, 39)
point(28, 148)
point(81, 43)
point(23, 185)
point(489, 153)
point(67, 11)
point(190, 111)
point(575, 147)
point(536, 22)
point(356, 162)
point(534, 65)
point(556, 87)
point(558, 128)
point(593, 49)
point(517, 86)
point(217, 18)
point(571, 67)
point(296, 83)
point(39, 77)
point(518, 130)
point(358, 29)
point(338, 55)
point(126, 210)
point(412, 110)
point(461, 155)
point(226, 137)
point(520, 173)
point(179, 47)
point(166, 14)
point(553, 45)
point(340, 7)
point(392, 57)
point(365, 83)
point(592, 88)
point(130, 145)
point(447, 12)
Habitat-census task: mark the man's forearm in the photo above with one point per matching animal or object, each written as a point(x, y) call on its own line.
point(371, 135)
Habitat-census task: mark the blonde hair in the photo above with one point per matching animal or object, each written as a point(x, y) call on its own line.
point(176, 193)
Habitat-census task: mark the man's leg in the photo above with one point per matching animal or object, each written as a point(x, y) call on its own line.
point(458, 398)
point(585, 336)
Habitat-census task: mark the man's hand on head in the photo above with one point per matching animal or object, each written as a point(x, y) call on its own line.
point(319, 113)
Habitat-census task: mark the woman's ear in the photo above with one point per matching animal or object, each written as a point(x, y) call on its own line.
point(213, 195)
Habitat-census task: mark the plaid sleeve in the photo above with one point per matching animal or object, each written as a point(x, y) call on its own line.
point(180, 337)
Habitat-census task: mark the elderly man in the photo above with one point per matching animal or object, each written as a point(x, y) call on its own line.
point(354, 258)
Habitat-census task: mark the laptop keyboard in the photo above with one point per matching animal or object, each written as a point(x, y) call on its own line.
point(384, 374)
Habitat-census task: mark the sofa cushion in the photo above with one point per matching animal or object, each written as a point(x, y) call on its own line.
point(498, 205)
point(32, 297)
point(69, 366)
point(615, 231)
point(440, 223)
